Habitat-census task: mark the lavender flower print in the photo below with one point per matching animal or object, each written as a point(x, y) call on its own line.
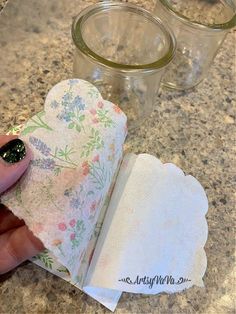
point(40, 145)
point(74, 197)
point(45, 163)
point(61, 156)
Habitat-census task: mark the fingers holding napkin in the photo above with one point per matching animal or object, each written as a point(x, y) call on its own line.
point(16, 241)
point(77, 146)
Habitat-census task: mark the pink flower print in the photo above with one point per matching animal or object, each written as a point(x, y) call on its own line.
point(95, 120)
point(93, 111)
point(62, 226)
point(117, 109)
point(72, 236)
point(85, 167)
point(96, 158)
point(72, 223)
point(100, 104)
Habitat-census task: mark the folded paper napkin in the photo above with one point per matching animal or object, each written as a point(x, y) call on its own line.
point(77, 146)
point(153, 226)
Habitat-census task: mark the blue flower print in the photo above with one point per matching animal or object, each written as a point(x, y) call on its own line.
point(73, 82)
point(54, 104)
point(65, 116)
point(66, 98)
point(74, 198)
point(75, 202)
point(78, 103)
point(72, 112)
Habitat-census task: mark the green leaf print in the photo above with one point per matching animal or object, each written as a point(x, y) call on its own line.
point(81, 118)
point(78, 128)
point(95, 142)
point(15, 130)
point(41, 114)
point(45, 259)
point(63, 159)
point(66, 153)
point(19, 199)
point(93, 92)
point(98, 174)
point(57, 171)
point(77, 233)
point(49, 196)
point(104, 118)
point(79, 224)
point(63, 270)
point(29, 129)
point(36, 123)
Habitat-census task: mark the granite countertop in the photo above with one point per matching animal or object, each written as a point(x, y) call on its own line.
point(193, 129)
point(2, 4)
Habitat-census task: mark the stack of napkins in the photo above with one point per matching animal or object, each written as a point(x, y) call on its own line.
point(109, 223)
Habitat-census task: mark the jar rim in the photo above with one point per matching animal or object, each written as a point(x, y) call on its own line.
point(217, 27)
point(107, 5)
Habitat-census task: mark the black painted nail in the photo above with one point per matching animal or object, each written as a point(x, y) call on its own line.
point(13, 151)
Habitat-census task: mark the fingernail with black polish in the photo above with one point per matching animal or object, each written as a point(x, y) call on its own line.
point(13, 151)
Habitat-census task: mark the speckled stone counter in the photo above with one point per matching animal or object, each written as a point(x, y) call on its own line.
point(194, 129)
point(2, 4)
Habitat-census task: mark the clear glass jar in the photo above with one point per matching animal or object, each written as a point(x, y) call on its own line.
point(200, 27)
point(123, 50)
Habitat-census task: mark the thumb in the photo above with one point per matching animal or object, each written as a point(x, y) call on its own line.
point(14, 160)
point(17, 245)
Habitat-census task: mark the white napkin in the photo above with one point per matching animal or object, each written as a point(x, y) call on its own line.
point(154, 232)
point(153, 223)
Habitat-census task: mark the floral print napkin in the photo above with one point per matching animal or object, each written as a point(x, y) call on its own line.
point(77, 148)
point(153, 222)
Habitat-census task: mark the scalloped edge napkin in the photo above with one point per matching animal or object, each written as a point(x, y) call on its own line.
point(153, 225)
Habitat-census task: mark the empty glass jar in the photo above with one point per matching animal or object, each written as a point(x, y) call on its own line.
point(200, 27)
point(123, 50)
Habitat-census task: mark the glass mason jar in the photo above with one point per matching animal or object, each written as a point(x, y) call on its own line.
point(123, 50)
point(200, 27)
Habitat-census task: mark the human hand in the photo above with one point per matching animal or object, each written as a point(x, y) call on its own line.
point(17, 242)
